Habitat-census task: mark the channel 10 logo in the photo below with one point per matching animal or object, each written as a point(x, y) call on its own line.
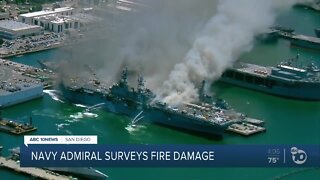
point(298, 155)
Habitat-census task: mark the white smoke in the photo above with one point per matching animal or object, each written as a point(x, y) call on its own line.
point(225, 37)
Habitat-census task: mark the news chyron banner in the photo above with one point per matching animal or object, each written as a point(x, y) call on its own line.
point(84, 151)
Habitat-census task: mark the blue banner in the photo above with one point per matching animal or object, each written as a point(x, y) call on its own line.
point(170, 156)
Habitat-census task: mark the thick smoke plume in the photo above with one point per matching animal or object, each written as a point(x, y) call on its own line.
point(228, 34)
point(149, 41)
point(178, 42)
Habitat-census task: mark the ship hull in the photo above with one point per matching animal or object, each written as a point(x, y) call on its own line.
point(174, 120)
point(150, 113)
point(92, 100)
point(83, 173)
point(269, 37)
point(305, 44)
point(299, 90)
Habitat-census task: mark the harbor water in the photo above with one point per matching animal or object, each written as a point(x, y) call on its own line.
point(287, 121)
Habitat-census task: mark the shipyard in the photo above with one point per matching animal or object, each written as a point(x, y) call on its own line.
point(148, 72)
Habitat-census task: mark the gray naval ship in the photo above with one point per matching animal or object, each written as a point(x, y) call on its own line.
point(287, 79)
point(206, 117)
point(300, 40)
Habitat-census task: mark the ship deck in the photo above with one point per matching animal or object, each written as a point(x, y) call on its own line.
point(281, 72)
point(254, 69)
point(307, 38)
point(291, 36)
point(86, 81)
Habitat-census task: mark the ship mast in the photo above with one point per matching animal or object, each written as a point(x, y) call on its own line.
point(140, 90)
point(124, 77)
point(140, 84)
point(297, 60)
point(202, 90)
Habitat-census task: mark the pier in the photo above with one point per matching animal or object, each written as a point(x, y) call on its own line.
point(34, 172)
point(16, 128)
point(245, 129)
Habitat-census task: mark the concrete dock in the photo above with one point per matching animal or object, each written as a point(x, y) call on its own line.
point(245, 129)
point(34, 172)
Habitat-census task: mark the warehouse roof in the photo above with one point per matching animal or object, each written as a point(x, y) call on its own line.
point(47, 12)
point(15, 25)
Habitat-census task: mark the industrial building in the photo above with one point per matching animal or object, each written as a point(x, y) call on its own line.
point(10, 29)
point(129, 5)
point(30, 18)
point(58, 20)
point(61, 23)
point(91, 2)
point(56, 23)
point(4, 15)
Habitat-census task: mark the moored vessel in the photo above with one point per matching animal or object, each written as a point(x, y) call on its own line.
point(287, 79)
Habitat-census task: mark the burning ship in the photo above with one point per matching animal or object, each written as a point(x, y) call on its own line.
point(208, 116)
point(287, 79)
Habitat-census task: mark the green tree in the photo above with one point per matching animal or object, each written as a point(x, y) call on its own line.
point(42, 1)
point(37, 7)
point(20, 1)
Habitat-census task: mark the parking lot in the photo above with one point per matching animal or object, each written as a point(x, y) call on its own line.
point(31, 44)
